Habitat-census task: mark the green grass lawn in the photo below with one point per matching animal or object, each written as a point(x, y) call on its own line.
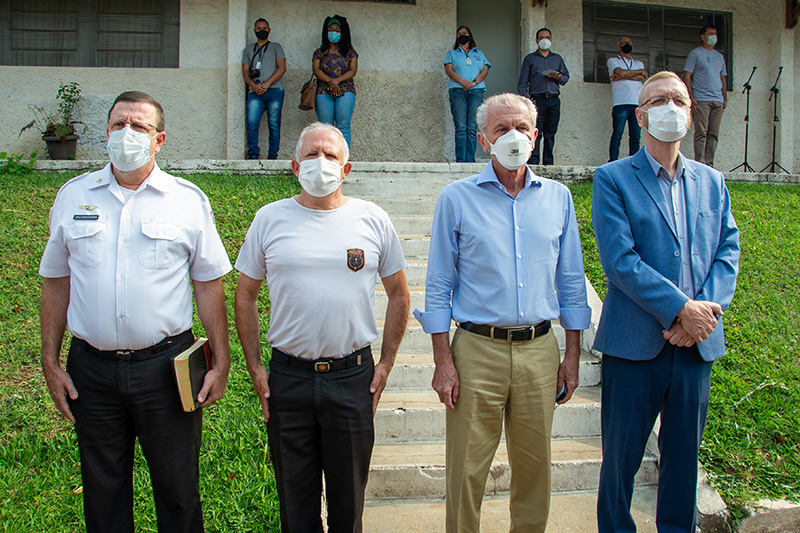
point(752, 444)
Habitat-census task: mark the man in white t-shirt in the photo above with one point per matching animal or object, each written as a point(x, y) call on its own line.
point(627, 75)
point(321, 253)
point(705, 76)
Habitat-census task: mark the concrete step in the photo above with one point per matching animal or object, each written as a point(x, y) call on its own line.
point(570, 512)
point(418, 470)
point(417, 341)
point(418, 416)
point(415, 248)
point(412, 225)
point(416, 270)
point(414, 372)
point(414, 184)
point(382, 300)
point(405, 205)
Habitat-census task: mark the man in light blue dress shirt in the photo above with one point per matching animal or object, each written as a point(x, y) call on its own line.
point(505, 259)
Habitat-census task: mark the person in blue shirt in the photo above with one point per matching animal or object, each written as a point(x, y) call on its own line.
point(505, 259)
point(467, 67)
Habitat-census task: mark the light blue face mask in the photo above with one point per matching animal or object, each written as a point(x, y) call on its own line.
point(334, 36)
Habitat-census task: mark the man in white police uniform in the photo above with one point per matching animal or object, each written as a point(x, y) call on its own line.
point(127, 245)
point(321, 253)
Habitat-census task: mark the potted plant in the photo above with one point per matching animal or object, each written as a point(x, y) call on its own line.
point(58, 127)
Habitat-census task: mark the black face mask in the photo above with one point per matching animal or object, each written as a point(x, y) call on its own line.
point(262, 35)
point(626, 48)
point(463, 39)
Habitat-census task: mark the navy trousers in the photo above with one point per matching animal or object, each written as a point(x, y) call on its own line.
point(548, 115)
point(676, 385)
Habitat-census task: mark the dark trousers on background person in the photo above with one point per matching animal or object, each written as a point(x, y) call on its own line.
point(548, 109)
point(676, 385)
point(320, 422)
point(620, 114)
point(120, 400)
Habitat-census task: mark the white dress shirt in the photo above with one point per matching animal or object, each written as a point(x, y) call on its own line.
point(131, 260)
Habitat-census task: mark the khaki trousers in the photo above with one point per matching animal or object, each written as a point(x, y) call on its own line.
point(501, 382)
point(707, 118)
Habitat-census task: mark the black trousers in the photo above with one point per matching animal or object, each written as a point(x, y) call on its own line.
point(547, 118)
point(119, 401)
point(321, 422)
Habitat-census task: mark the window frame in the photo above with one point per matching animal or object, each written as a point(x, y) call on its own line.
point(653, 48)
point(89, 31)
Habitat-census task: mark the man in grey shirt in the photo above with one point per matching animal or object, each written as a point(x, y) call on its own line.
point(705, 76)
point(263, 66)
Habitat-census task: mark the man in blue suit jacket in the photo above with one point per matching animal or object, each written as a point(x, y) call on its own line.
point(670, 248)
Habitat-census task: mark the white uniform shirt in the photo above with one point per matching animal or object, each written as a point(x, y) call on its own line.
point(321, 268)
point(130, 262)
point(625, 92)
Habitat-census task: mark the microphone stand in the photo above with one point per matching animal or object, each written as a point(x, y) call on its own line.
point(746, 87)
point(774, 92)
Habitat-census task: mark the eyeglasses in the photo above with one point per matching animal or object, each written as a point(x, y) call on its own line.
point(140, 127)
point(658, 101)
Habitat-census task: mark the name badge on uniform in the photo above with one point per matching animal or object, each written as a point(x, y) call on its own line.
point(258, 65)
point(85, 217)
point(469, 61)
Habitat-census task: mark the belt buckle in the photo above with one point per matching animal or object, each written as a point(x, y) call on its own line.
point(124, 355)
point(512, 331)
point(322, 366)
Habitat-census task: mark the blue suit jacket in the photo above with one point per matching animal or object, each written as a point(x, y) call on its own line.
point(640, 254)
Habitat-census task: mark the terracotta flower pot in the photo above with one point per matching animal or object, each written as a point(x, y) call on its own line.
point(61, 149)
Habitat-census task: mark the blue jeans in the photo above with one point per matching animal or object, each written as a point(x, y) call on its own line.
point(337, 110)
point(549, 113)
point(620, 114)
point(272, 101)
point(463, 105)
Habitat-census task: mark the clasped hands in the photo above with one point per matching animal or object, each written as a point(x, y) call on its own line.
point(333, 85)
point(695, 322)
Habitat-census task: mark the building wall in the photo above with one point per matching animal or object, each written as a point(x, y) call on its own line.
point(191, 95)
point(402, 112)
point(759, 38)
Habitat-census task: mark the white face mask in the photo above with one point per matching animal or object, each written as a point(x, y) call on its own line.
point(712, 40)
point(128, 149)
point(512, 149)
point(667, 123)
point(545, 44)
point(319, 176)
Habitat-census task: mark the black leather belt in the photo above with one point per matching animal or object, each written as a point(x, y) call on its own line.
point(138, 355)
point(520, 334)
point(323, 365)
point(544, 95)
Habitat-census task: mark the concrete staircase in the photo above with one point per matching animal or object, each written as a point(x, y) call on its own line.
point(407, 478)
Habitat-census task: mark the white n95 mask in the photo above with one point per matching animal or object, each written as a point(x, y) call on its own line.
point(319, 176)
point(667, 123)
point(512, 149)
point(128, 149)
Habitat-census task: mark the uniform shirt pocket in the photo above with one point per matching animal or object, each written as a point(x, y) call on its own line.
point(160, 245)
point(85, 242)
